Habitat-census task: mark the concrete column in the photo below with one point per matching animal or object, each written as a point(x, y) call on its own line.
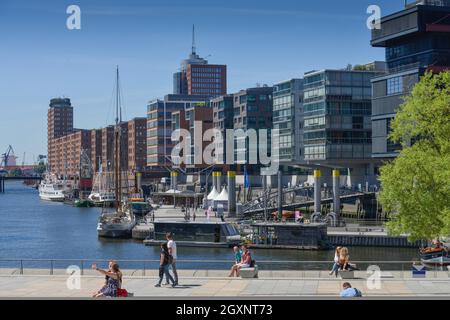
point(174, 180)
point(139, 183)
point(214, 180)
point(231, 193)
point(317, 192)
point(219, 181)
point(280, 194)
point(336, 194)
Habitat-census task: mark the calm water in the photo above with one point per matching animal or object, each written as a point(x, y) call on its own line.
point(34, 229)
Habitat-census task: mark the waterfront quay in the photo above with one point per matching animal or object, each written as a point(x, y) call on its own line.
point(194, 283)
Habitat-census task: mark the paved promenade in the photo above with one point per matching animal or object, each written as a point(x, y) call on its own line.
point(214, 284)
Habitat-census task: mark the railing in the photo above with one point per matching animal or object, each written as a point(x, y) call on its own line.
point(219, 268)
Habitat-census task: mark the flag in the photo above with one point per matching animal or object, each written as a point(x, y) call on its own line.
point(246, 182)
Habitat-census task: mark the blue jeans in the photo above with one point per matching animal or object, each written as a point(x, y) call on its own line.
point(164, 270)
point(335, 268)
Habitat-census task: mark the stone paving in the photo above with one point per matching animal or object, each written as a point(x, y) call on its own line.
point(44, 286)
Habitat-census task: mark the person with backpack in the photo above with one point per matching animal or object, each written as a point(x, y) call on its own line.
point(349, 292)
point(164, 266)
point(172, 247)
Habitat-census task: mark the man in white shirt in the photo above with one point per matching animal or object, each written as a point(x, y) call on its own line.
point(172, 245)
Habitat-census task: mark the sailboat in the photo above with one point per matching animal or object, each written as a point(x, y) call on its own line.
point(102, 193)
point(120, 222)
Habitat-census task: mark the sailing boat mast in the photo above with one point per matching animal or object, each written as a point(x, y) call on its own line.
point(117, 178)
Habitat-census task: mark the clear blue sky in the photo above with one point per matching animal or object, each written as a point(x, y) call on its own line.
point(260, 41)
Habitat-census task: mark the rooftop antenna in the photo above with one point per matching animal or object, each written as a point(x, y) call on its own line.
point(193, 39)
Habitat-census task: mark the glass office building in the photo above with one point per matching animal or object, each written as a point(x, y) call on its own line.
point(337, 115)
point(288, 119)
point(417, 39)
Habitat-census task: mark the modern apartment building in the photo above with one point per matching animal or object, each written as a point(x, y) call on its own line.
point(137, 144)
point(196, 119)
point(159, 126)
point(223, 119)
point(337, 129)
point(288, 119)
point(417, 40)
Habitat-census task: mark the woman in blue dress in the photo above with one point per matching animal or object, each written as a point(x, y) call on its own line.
point(113, 279)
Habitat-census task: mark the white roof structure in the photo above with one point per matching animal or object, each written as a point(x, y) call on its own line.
point(223, 196)
point(171, 191)
point(213, 194)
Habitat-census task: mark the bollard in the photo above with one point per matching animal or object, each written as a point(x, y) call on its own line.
point(231, 193)
point(336, 194)
point(317, 192)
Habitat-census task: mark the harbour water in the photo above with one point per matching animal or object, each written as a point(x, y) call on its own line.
point(34, 229)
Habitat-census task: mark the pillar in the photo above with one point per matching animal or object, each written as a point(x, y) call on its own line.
point(231, 193)
point(280, 194)
point(174, 180)
point(317, 192)
point(214, 179)
point(218, 181)
point(139, 183)
point(336, 193)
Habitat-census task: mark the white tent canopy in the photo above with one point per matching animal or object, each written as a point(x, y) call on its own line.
point(213, 194)
point(223, 196)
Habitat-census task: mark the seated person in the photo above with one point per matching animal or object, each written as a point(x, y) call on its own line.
point(246, 261)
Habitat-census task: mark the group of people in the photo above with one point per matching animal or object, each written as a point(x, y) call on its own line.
point(242, 259)
point(342, 261)
point(167, 259)
point(113, 276)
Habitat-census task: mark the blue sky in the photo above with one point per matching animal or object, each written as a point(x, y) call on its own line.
point(260, 41)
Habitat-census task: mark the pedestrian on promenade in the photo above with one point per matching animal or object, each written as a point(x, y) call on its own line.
point(106, 278)
point(194, 215)
point(246, 261)
point(349, 292)
point(113, 278)
point(164, 266)
point(336, 265)
point(172, 248)
point(237, 259)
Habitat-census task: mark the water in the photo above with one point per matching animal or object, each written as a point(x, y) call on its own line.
point(34, 229)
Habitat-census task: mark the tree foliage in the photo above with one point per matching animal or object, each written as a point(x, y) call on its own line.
point(416, 185)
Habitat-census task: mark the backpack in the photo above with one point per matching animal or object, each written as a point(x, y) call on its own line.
point(358, 293)
point(252, 264)
point(122, 293)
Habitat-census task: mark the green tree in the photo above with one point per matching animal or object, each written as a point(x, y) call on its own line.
point(416, 185)
point(40, 168)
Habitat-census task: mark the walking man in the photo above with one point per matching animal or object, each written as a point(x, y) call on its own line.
point(172, 246)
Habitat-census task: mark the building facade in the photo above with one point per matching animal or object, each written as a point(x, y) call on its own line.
point(288, 119)
point(59, 124)
point(137, 144)
point(159, 126)
point(337, 129)
point(417, 40)
point(197, 77)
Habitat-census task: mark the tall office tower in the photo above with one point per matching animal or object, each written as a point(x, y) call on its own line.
point(59, 123)
point(417, 39)
point(197, 77)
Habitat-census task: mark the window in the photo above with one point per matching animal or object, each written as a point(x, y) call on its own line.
point(395, 85)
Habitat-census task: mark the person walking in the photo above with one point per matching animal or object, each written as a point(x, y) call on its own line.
point(164, 266)
point(172, 248)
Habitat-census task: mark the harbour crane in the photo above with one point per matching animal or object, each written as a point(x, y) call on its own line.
point(6, 156)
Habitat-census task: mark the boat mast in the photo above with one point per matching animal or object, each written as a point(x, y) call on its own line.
point(117, 146)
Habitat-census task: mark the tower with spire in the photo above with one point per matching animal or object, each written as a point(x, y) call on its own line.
point(197, 77)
